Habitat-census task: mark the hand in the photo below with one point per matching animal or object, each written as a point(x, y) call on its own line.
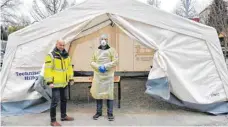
point(71, 82)
point(51, 85)
point(102, 69)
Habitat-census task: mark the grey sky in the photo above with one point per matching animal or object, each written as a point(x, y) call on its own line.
point(170, 5)
point(166, 5)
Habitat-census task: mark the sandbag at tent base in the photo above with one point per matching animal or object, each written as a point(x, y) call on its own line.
point(159, 89)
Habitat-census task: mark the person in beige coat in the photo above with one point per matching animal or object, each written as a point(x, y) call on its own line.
point(104, 61)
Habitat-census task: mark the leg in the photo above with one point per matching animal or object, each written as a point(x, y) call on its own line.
point(110, 110)
point(99, 109)
point(54, 103)
point(63, 105)
point(63, 102)
point(110, 106)
point(99, 106)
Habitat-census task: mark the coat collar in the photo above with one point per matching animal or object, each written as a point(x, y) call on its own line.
point(64, 53)
point(106, 47)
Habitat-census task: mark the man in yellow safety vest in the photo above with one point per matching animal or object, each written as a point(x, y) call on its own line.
point(58, 72)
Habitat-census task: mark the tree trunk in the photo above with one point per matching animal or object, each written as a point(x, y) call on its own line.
point(226, 47)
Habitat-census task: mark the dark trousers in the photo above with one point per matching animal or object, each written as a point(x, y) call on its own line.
point(58, 94)
point(109, 106)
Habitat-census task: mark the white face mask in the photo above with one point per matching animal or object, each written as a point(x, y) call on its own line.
point(103, 42)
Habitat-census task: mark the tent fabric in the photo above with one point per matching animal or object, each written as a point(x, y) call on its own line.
point(158, 87)
point(216, 108)
point(24, 107)
point(188, 54)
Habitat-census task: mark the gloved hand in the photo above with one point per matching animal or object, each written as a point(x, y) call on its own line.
point(102, 69)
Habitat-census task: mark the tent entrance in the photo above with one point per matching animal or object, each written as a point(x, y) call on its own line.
point(135, 59)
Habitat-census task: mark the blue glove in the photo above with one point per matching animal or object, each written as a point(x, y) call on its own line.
point(102, 69)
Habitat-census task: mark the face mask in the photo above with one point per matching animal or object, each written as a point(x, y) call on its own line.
point(103, 43)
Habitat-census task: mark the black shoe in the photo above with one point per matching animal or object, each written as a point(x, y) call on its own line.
point(110, 117)
point(97, 115)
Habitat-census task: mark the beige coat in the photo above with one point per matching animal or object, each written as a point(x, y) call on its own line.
point(103, 83)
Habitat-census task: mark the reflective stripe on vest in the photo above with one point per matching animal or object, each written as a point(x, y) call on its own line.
point(60, 70)
point(55, 69)
point(49, 66)
point(60, 84)
point(49, 79)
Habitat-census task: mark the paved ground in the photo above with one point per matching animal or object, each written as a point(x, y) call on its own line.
point(83, 116)
point(137, 109)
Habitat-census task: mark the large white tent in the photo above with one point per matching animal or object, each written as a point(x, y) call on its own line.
point(189, 68)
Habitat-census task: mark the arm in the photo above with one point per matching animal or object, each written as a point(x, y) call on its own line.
point(48, 75)
point(93, 64)
point(70, 71)
point(114, 59)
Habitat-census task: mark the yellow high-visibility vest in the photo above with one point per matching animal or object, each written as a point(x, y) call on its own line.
point(58, 69)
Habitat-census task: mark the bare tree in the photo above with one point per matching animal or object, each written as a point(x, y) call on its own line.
point(4, 34)
point(204, 15)
point(45, 8)
point(8, 8)
point(23, 21)
point(155, 3)
point(10, 16)
point(218, 18)
point(186, 8)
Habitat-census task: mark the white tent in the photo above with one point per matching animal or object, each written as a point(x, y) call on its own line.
point(188, 62)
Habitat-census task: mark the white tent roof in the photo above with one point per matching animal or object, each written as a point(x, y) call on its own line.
point(188, 52)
